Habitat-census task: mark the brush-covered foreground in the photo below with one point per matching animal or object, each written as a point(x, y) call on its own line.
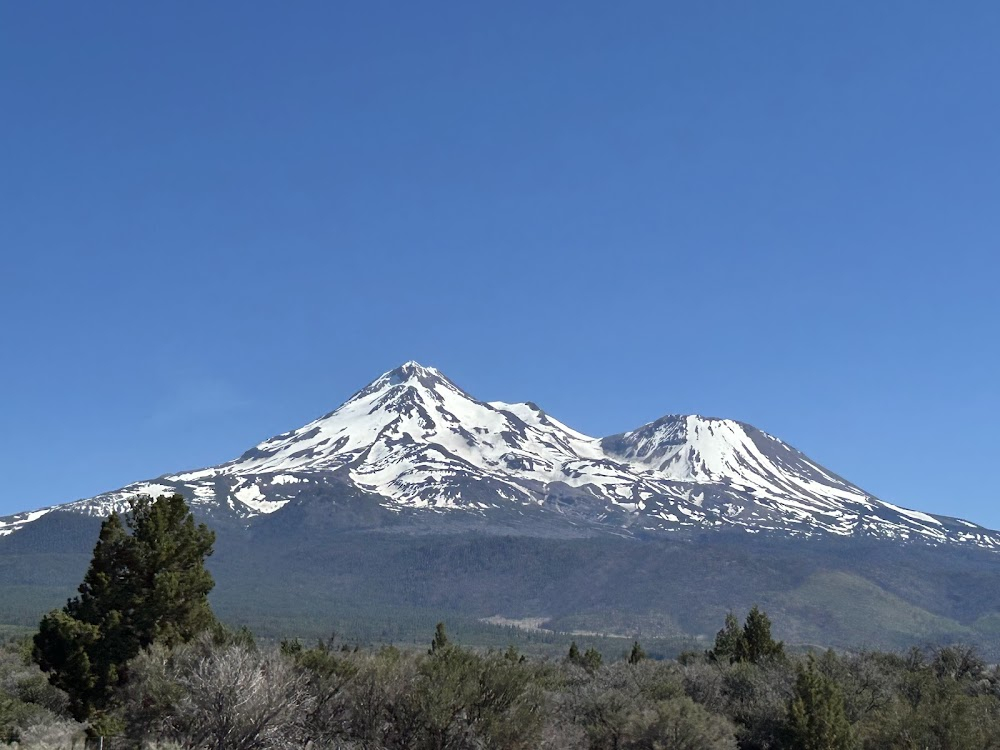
point(224, 690)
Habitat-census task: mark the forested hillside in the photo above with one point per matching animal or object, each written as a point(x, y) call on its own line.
point(309, 570)
point(138, 659)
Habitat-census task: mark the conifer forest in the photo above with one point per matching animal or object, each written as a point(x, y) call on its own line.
point(138, 660)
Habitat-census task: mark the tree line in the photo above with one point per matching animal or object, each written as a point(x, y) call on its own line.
point(139, 659)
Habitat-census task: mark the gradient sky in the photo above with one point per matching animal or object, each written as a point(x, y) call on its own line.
point(219, 220)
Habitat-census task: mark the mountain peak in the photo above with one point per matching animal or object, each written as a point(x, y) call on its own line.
point(413, 439)
point(412, 366)
point(409, 373)
point(412, 370)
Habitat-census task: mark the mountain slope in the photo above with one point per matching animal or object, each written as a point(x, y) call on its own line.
point(416, 444)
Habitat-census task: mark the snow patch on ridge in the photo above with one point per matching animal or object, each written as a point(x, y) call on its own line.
point(12, 523)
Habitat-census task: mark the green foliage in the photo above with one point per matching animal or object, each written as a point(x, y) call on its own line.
point(573, 657)
point(590, 659)
point(753, 643)
point(942, 699)
point(756, 698)
point(225, 690)
point(677, 724)
point(949, 700)
point(729, 640)
point(27, 702)
point(459, 694)
point(440, 640)
point(169, 580)
point(146, 584)
point(512, 655)
point(757, 643)
point(507, 710)
point(609, 704)
point(71, 650)
point(817, 719)
point(451, 698)
point(637, 654)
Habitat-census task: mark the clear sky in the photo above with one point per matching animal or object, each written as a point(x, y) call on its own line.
point(219, 220)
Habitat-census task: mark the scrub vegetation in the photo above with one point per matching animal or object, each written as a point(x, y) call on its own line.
point(137, 660)
point(224, 690)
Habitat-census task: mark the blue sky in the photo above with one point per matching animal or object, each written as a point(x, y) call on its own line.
point(217, 222)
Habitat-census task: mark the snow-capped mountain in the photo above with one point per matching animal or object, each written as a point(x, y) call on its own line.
point(415, 441)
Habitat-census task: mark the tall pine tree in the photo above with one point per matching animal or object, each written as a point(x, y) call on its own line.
point(728, 641)
point(757, 643)
point(816, 716)
point(440, 642)
point(637, 654)
point(146, 583)
point(751, 643)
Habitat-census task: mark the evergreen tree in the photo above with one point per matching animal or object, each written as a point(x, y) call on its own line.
point(142, 587)
point(757, 643)
point(440, 641)
point(816, 716)
point(573, 657)
point(591, 660)
point(728, 641)
point(512, 655)
point(752, 642)
point(637, 654)
point(170, 574)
